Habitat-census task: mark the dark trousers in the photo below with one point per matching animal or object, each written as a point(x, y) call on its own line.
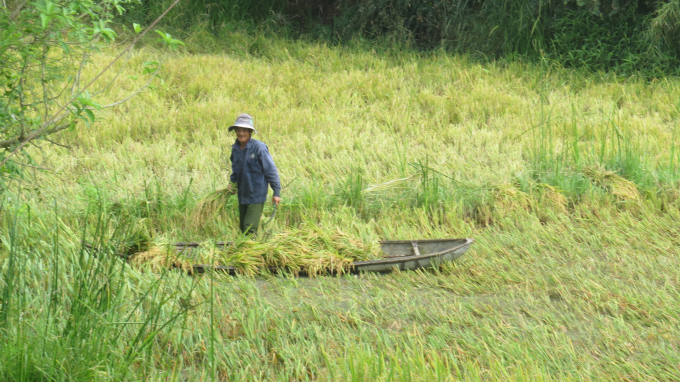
point(250, 215)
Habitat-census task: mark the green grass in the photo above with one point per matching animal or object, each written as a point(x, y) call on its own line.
point(567, 181)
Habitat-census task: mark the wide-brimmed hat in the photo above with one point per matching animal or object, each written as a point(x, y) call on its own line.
point(245, 121)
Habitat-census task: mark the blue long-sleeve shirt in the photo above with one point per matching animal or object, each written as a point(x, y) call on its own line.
point(252, 169)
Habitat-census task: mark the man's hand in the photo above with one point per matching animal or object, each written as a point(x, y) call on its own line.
point(276, 200)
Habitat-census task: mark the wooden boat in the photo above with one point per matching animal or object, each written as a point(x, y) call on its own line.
point(402, 254)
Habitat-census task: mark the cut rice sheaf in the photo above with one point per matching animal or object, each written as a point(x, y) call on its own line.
point(310, 249)
point(623, 189)
point(157, 258)
point(212, 205)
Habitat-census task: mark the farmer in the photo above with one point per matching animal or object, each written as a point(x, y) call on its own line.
point(252, 168)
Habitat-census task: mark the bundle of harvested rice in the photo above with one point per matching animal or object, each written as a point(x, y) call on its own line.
point(390, 185)
point(213, 204)
point(157, 258)
point(310, 249)
point(552, 197)
point(623, 189)
point(508, 198)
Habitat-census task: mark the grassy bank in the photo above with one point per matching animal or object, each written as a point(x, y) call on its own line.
point(568, 182)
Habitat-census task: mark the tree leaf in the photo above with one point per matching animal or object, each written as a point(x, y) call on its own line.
point(44, 20)
point(108, 33)
point(150, 67)
point(90, 115)
point(49, 7)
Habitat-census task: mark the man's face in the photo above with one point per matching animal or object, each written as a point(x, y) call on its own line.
point(243, 134)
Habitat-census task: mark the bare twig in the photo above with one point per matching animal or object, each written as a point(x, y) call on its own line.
point(96, 5)
point(60, 93)
point(44, 82)
point(127, 59)
point(36, 167)
point(57, 128)
point(146, 85)
point(116, 44)
point(41, 131)
point(77, 79)
point(58, 144)
point(42, 151)
point(21, 99)
point(18, 9)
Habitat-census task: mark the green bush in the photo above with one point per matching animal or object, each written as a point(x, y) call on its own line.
point(490, 27)
point(625, 36)
point(608, 42)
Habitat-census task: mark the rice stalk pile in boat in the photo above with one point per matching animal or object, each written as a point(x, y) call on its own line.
point(158, 258)
point(311, 249)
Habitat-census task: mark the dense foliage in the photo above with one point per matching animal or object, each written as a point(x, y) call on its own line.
point(42, 45)
point(622, 35)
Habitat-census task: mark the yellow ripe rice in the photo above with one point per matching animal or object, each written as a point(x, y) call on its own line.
point(623, 189)
point(210, 206)
point(309, 249)
point(157, 258)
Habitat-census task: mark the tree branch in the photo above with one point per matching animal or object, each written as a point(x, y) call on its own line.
point(10, 142)
point(77, 79)
point(16, 11)
point(127, 59)
point(36, 167)
point(56, 129)
point(41, 131)
point(23, 140)
point(44, 81)
point(58, 144)
point(146, 85)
